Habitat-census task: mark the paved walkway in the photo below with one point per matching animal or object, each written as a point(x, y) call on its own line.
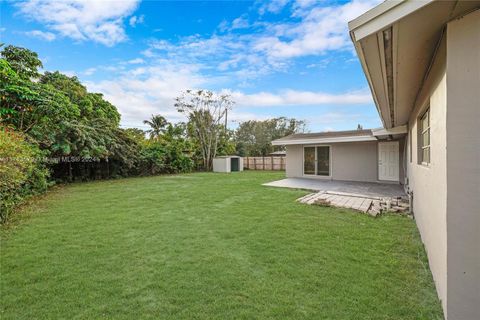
point(370, 189)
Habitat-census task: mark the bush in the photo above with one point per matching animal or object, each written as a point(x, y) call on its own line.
point(164, 157)
point(21, 171)
point(152, 159)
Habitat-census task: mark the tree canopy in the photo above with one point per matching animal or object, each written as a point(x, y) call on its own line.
point(206, 112)
point(23, 61)
point(254, 138)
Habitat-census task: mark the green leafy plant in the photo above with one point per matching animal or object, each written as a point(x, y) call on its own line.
point(22, 171)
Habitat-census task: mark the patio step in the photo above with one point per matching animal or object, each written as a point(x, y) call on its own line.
point(366, 204)
point(310, 198)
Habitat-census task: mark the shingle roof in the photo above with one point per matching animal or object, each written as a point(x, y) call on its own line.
point(328, 134)
point(326, 137)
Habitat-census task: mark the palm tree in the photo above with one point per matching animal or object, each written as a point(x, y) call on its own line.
point(157, 124)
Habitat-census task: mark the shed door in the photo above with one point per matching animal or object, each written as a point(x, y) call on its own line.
point(234, 164)
point(388, 161)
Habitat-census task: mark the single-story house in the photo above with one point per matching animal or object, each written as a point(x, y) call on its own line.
point(356, 155)
point(422, 62)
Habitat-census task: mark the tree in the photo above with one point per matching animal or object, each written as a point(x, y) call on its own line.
point(157, 124)
point(136, 134)
point(205, 111)
point(254, 138)
point(23, 61)
point(170, 152)
point(32, 107)
point(90, 105)
point(58, 114)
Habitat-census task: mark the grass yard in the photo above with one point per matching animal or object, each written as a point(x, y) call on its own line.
point(208, 246)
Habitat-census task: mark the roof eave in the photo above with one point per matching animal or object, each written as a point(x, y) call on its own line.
point(383, 16)
point(375, 21)
point(286, 142)
point(392, 131)
point(358, 48)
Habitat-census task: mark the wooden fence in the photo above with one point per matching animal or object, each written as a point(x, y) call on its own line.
point(264, 163)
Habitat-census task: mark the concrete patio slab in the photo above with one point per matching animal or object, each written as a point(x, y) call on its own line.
point(371, 189)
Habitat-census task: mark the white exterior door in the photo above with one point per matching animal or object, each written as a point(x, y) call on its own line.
point(388, 161)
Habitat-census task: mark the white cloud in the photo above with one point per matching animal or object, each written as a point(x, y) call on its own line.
point(235, 117)
point(136, 20)
point(152, 87)
point(142, 91)
point(69, 73)
point(47, 36)
point(320, 29)
point(298, 98)
point(273, 6)
point(148, 85)
point(89, 71)
point(305, 3)
point(98, 21)
point(240, 23)
point(136, 61)
point(264, 47)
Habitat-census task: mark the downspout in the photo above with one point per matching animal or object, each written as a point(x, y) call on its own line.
point(406, 185)
point(404, 164)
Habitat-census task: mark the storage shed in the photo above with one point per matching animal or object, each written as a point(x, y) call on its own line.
point(227, 164)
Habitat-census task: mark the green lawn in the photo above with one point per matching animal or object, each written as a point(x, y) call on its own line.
point(208, 246)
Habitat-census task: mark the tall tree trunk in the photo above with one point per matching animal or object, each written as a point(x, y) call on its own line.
point(70, 172)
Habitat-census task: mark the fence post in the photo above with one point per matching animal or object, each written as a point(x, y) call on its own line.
point(254, 163)
point(263, 160)
point(281, 163)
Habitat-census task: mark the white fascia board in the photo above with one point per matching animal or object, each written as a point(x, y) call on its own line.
point(323, 140)
point(387, 14)
point(372, 13)
point(385, 132)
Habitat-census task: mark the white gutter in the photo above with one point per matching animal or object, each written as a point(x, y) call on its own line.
point(286, 142)
point(392, 131)
point(383, 16)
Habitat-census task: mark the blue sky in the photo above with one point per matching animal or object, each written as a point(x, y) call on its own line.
point(276, 58)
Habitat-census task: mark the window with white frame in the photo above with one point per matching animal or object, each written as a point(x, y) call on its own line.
point(424, 137)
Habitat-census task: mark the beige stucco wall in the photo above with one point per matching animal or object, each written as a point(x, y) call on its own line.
point(446, 192)
point(352, 161)
point(355, 161)
point(294, 161)
point(463, 167)
point(429, 183)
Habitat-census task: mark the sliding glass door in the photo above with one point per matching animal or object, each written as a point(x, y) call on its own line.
point(323, 161)
point(309, 160)
point(316, 161)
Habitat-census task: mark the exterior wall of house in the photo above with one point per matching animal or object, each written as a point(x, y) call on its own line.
point(446, 191)
point(355, 161)
point(351, 161)
point(429, 183)
point(294, 161)
point(463, 167)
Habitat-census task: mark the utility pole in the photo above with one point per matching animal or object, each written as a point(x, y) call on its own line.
point(226, 119)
